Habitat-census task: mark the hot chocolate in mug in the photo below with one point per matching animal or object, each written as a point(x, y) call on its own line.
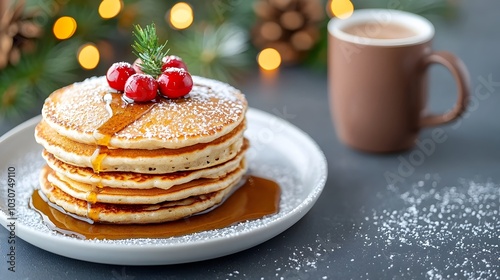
point(377, 71)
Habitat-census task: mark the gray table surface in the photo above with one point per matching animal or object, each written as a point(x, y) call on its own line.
point(439, 220)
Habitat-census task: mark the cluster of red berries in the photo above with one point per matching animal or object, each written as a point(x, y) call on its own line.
point(174, 81)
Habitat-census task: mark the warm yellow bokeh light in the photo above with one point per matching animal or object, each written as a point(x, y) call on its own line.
point(269, 59)
point(110, 8)
point(181, 15)
point(64, 27)
point(341, 8)
point(88, 56)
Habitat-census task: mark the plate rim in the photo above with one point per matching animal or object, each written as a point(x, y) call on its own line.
point(281, 223)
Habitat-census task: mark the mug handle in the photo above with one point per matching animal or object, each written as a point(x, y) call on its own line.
point(461, 75)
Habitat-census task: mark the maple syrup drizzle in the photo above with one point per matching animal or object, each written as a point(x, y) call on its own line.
point(121, 114)
point(256, 198)
point(92, 195)
point(99, 183)
point(97, 158)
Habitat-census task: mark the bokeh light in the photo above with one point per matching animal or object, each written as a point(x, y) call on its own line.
point(271, 31)
point(64, 27)
point(269, 59)
point(88, 56)
point(181, 16)
point(340, 8)
point(110, 8)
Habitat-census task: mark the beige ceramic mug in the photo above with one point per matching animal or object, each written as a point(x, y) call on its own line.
point(377, 67)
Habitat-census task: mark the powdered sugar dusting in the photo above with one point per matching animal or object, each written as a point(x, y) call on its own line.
point(207, 109)
point(27, 173)
point(421, 231)
point(458, 226)
point(122, 64)
point(426, 230)
point(77, 112)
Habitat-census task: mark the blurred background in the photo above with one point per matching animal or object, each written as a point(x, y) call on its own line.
point(46, 44)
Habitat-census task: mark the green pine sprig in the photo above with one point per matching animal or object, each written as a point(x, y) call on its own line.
point(148, 48)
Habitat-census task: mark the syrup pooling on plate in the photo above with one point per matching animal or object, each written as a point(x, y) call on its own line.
point(256, 198)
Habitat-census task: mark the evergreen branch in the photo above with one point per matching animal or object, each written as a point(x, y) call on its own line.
point(148, 48)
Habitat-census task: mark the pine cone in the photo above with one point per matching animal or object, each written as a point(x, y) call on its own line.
point(17, 31)
point(289, 26)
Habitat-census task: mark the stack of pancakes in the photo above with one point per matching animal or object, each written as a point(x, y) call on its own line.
point(113, 162)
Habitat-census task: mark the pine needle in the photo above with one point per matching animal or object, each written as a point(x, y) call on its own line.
point(148, 48)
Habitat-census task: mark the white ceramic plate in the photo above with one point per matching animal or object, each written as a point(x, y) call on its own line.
point(279, 151)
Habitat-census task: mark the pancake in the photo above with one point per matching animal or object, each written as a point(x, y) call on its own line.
point(132, 214)
point(107, 194)
point(142, 161)
point(211, 110)
point(132, 180)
